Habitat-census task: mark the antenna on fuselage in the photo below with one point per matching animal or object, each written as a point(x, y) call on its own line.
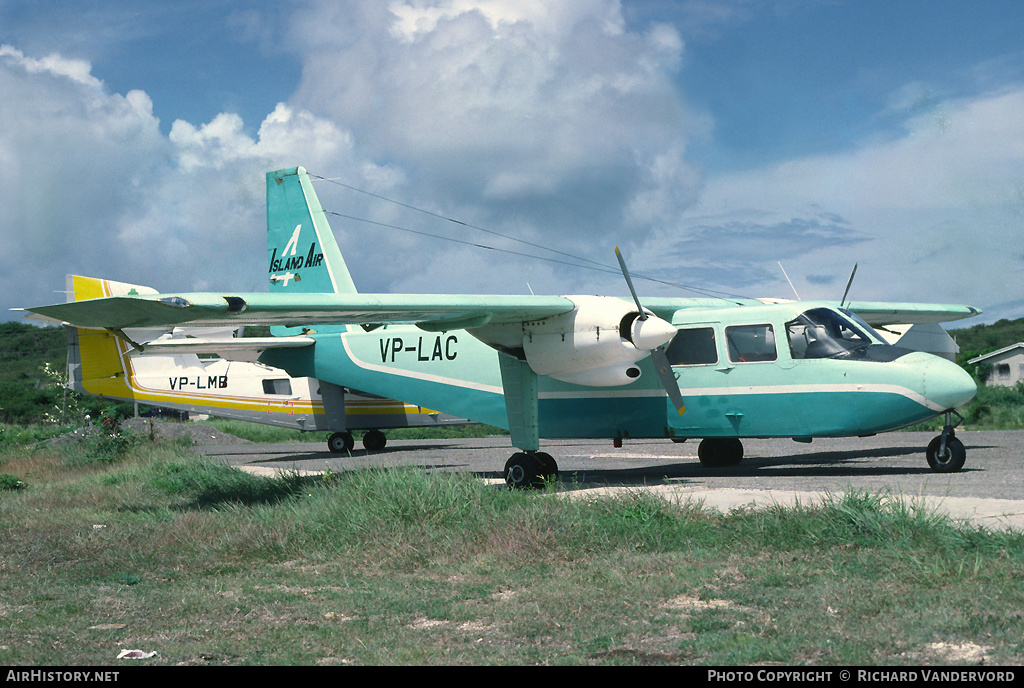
point(789, 280)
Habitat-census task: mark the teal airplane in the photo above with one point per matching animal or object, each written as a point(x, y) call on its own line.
point(573, 366)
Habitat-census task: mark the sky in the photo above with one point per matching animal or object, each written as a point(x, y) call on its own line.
point(507, 147)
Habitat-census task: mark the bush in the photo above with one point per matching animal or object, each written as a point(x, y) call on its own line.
point(10, 482)
point(109, 445)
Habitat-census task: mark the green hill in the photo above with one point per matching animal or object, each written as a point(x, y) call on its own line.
point(24, 348)
point(981, 339)
point(27, 393)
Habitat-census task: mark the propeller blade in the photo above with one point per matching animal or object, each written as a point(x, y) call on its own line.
point(629, 283)
point(845, 293)
point(668, 378)
point(664, 332)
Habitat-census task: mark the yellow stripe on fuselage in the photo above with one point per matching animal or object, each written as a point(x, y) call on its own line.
point(107, 371)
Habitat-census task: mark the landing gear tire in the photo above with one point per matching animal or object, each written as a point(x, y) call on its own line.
point(530, 470)
point(548, 467)
point(949, 461)
point(522, 471)
point(374, 440)
point(341, 442)
point(715, 452)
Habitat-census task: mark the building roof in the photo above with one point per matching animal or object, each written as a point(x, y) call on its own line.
point(993, 354)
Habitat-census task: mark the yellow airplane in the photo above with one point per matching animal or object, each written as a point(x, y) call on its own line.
point(101, 364)
point(718, 370)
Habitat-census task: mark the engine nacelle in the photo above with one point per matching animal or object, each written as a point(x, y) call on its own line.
point(593, 345)
point(612, 376)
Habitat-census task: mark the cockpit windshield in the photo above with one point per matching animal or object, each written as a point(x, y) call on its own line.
point(825, 333)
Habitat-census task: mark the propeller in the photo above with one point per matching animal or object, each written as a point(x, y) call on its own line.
point(848, 284)
point(656, 339)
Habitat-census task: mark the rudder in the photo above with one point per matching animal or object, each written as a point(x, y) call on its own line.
point(303, 255)
point(97, 360)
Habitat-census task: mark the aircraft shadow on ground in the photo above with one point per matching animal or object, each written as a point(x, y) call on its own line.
point(833, 465)
point(304, 455)
point(825, 464)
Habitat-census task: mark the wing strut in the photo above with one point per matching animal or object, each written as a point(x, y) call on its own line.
point(519, 383)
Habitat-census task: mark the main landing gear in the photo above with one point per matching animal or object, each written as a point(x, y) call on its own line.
point(530, 469)
point(718, 452)
point(343, 442)
point(946, 454)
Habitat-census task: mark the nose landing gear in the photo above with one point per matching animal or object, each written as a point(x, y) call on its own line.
point(946, 454)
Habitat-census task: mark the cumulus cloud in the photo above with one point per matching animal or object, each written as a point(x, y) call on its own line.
point(516, 109)
point(71, 152)
point(285, 133)
point(76, 70)
point(557, 122)
point(549, 121)
point(95, 188)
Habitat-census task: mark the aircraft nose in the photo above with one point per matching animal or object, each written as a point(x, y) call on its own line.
point(946, 384)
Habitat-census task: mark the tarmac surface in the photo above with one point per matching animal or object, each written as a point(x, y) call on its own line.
point(989, 491)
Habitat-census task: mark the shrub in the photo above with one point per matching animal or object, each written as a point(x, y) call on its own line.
point(10, 482)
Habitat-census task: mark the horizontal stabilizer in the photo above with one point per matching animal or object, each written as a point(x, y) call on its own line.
point(234, 349)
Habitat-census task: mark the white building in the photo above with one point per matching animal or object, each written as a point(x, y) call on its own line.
point(1007, 365)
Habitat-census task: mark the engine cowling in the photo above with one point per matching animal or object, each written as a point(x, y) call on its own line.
point(596, 344)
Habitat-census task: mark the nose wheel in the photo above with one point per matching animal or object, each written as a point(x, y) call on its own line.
point(946, 454)
point(530, 470)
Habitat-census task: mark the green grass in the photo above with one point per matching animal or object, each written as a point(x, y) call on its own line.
point(161, 550)
point(17, 435)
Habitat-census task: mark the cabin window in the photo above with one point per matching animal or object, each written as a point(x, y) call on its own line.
point(1003, 370)
point(751, 343)
point(693, 346)
point(277, 386)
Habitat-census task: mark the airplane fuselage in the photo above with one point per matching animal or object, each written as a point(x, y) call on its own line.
point(771, 390)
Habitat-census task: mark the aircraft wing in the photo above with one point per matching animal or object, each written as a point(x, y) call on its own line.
point(431, 312)
point(881, 313)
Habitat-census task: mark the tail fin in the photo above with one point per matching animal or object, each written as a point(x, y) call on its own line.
point(97, 360)
point(303, 254)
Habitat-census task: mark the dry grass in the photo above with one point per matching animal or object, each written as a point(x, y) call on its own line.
point(162, 551)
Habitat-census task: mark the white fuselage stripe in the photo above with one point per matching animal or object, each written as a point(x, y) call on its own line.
point(626, 392)
point(762, 390)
